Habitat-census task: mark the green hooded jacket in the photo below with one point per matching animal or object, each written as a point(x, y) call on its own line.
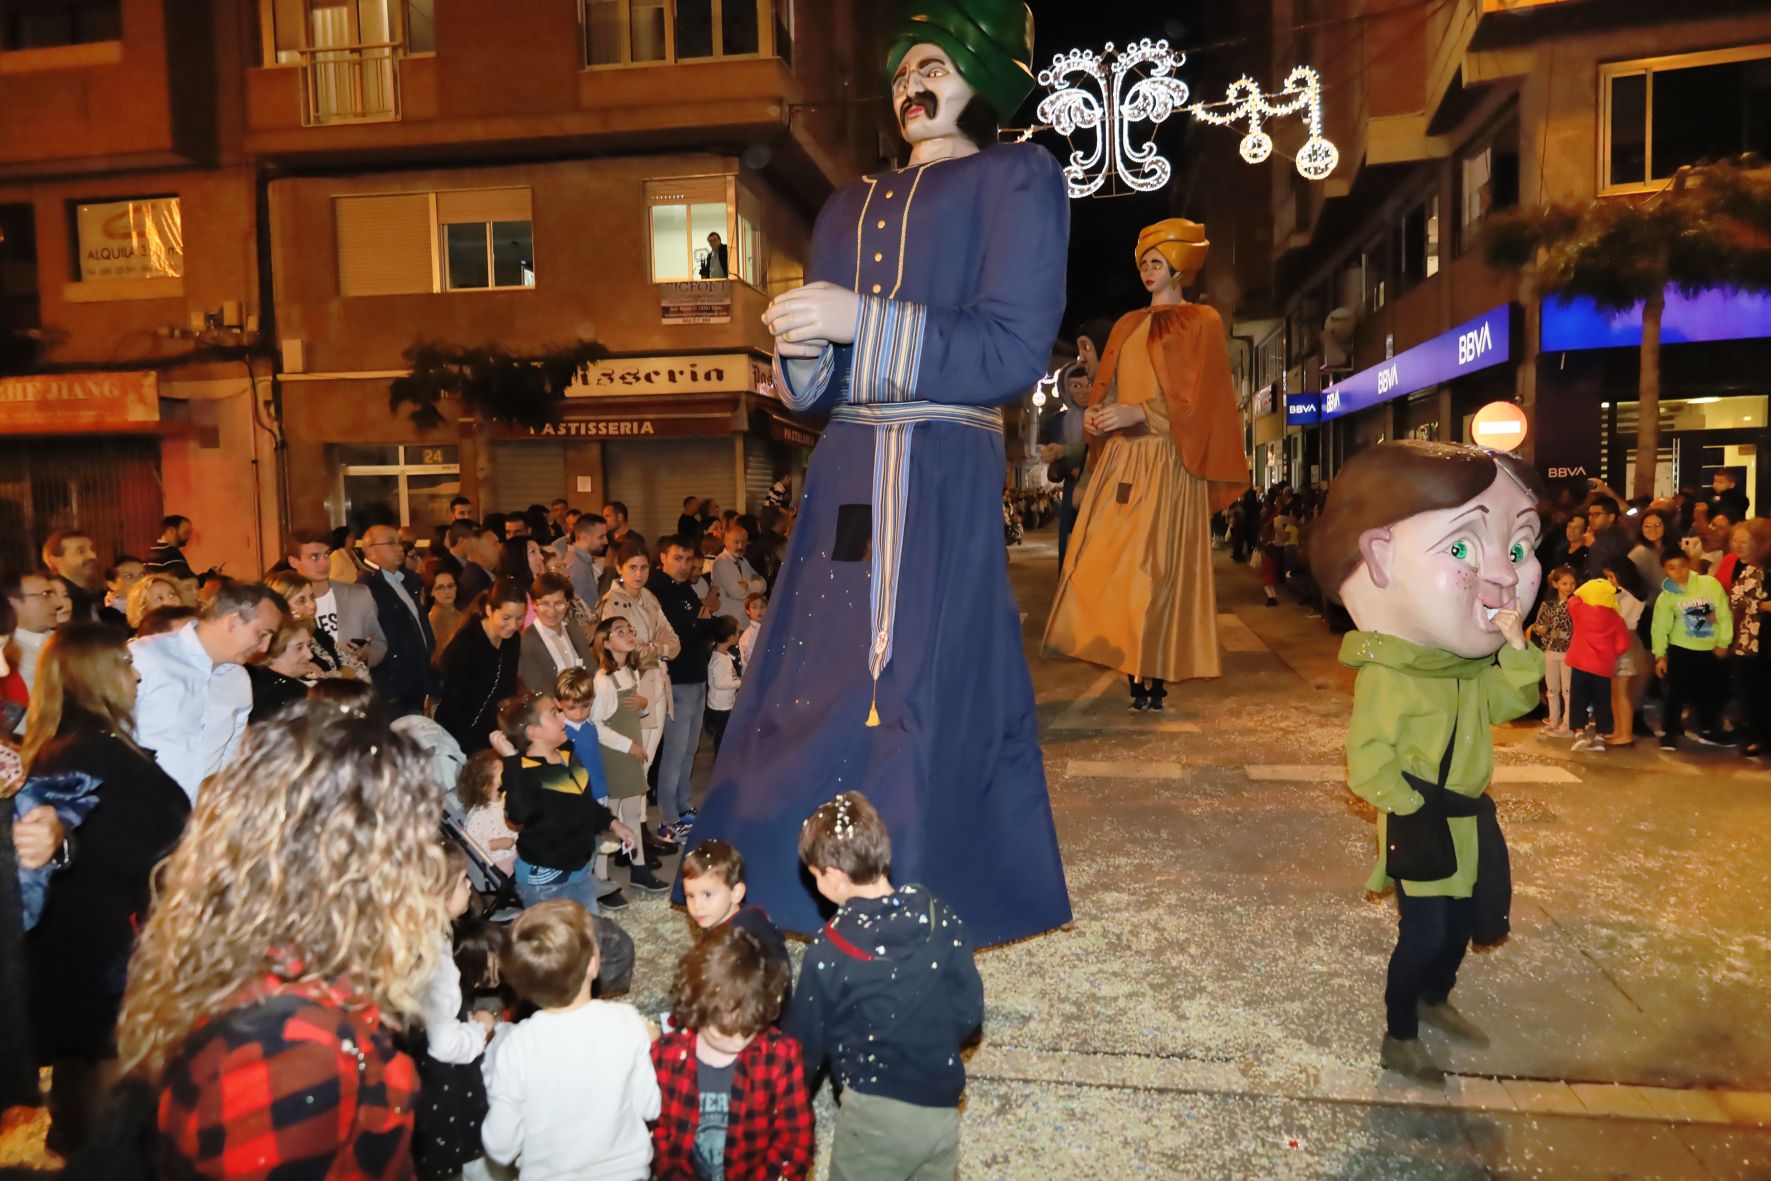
point(1404, 699)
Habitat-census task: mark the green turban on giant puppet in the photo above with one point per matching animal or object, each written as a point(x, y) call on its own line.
point(990, 41)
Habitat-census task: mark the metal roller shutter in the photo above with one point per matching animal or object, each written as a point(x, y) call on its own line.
point(385, 244)
point(651, 479)
point(761, 456)
point(527, 473)
point(477, 205)
point(110, 487)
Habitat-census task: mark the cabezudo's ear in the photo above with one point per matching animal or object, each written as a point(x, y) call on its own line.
point(1377, 547)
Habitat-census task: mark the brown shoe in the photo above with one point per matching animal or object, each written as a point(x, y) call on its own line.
point(1446, 1019)
point(1408, 1058)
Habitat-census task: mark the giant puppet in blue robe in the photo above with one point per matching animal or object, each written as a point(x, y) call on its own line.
point(890, 660)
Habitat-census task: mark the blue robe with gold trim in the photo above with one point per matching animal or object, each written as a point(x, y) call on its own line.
point(896, 561)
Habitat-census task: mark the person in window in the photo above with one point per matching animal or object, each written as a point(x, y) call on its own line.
point(713, 263)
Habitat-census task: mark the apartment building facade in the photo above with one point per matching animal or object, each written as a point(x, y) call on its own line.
point(135, 382)
point(1390, 323)
point(377, 174)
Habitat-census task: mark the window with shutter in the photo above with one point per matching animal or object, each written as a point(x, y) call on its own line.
point(386, 244)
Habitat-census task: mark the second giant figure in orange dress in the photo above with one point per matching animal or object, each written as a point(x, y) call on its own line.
point(1165, 453)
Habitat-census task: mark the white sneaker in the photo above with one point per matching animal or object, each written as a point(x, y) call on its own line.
point(1580, 743)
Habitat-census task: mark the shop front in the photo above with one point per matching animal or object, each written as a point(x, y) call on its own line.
point(1427, 392)
point(1267, 430)
point(647, 431)
point(79, 450)
point(1713, 410)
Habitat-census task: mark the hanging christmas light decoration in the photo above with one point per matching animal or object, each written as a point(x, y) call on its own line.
point(1131, 86)
point(1109, 93)
point(1245, 100)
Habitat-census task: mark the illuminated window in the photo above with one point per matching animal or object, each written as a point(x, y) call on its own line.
point(682, 215)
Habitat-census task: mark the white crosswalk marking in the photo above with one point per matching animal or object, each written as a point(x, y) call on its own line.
point(1334, 772)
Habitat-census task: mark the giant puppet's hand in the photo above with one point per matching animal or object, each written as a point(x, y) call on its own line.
point(1507, 623)
point(816, 314)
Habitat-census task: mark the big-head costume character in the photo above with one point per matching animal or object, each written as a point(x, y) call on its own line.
point(890, 659)
point(1164, 454)
point(1432, 548)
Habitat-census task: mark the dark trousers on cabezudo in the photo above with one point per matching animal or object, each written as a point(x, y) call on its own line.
point(1433, 933)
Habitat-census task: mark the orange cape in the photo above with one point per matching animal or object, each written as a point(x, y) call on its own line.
point(1187, 350)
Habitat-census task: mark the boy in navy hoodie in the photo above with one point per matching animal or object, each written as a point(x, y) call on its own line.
point(887, 997)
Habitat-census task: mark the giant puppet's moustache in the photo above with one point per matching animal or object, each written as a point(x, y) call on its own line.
point(925, 99)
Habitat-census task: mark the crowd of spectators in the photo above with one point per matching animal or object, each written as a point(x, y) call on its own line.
point(1686, 574)
point(317, 870)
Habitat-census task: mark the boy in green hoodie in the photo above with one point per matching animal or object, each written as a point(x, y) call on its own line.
point(1432, 548)
point(1692, 630)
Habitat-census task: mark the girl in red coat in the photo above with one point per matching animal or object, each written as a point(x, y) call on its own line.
point(1600, 637)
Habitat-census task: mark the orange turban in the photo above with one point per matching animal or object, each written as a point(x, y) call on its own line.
point(1181, 242)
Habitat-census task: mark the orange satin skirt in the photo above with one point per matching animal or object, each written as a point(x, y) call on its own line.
point(1136, 591)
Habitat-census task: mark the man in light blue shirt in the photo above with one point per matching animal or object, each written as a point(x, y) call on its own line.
point(191, 706)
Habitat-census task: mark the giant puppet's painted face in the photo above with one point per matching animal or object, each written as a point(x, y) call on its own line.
point(1438, 578)
point(928, 94)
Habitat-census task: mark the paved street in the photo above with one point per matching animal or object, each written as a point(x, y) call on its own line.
point(1214, 1011)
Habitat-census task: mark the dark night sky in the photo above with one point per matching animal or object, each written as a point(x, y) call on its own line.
point(1103, 277)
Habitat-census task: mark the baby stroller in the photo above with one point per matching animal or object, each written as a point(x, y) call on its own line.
point(494, 889)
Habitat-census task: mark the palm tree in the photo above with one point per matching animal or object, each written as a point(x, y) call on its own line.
point(1710, 226)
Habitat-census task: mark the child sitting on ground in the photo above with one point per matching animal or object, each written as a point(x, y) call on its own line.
point(1552, 631)
point(734, 1101)
point(1599, 638)
point(571, 1087)
point(481, 791)
point(888, 995)
point(754, 607)
point(713, 891)
point(723, 680)
point(547, 797)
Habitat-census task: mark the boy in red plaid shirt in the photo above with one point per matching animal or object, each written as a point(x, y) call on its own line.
point(734, 1104)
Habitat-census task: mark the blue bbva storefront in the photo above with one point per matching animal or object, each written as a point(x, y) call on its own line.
point(1715, 375)
point(1429, 391)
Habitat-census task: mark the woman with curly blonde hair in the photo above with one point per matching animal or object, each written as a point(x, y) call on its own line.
point(148, 593)
point(294, 925)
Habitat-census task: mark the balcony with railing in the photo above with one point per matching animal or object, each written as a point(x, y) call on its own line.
point(350, 84)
